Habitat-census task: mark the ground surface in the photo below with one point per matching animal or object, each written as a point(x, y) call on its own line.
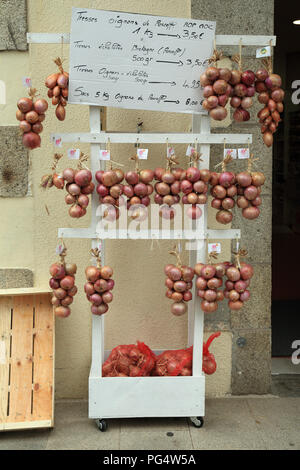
point(267, 422)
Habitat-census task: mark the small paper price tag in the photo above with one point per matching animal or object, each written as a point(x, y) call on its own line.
point(104, 155)
point(26, 82)
point(190, 150)
point(59, 249)
point(214, 247)
point(243, 153)
point(263, 52)
point(58, 142)
point(74, 154)
point(170, 152)
point(142, 154)
point(231, 152)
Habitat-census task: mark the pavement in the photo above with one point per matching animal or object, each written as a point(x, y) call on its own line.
point(267, 422)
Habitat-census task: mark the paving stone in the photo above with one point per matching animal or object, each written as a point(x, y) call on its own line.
point(15, 277)
point(278, 422)
point(35, 439)
point(228, 425)
point(158, 440)
point(74, 430)
point(13, 25)
point(14, 163)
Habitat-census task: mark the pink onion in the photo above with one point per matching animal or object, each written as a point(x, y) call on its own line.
point(218, 114)
point(251, 212)
point(132, 177)
point(25, 126)
point(235, 101)
point(233, 274)
point(67, 282)
point(248, 77)
point(63, 312)
point(212, 73)
point(209, 307)
point(244, 179)
point(246, 271)
point(57, 271)
point(25, 104)
point(178, 308)
point(208, 91)
point(83, 177)
point(40, 106)
point(261, 75)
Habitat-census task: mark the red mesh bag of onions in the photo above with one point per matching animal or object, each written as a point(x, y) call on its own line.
point(129, 361)
point(180, 361)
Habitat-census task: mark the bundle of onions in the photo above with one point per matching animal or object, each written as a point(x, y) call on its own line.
point(110, 190)
point(168, 187)
point(78, 185)
point(138, 191)
point(62, 283)
point(58, 84)
point(129, 360)
point(271, 95)
point(238, 280)
point(194, 187)
point(99, 285)
point(243, 92)
point(209, 281)
point(179, 283)
point(249, 189)
point(217, 88)
point(53, 179)
point(31, 114)
point(180, 362)
point(223, 191)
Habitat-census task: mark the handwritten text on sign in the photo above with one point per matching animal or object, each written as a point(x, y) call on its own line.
point(138, 61)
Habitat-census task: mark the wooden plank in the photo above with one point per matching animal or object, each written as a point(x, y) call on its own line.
point(221, 40)
point(137, 397)
point(26, 425)
point(123, 234)
point(21, 360)
point(5, 324)
point(150, 138)
point(42, 406)
point(24, 291)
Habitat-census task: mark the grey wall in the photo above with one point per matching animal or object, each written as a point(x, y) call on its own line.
point(251, 326)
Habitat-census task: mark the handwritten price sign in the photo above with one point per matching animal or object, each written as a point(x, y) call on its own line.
point(136, 61)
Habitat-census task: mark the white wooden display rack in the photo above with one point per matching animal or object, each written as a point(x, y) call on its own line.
point(122, 397)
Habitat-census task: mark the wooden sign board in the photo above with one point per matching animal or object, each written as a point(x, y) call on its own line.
point(138, 61)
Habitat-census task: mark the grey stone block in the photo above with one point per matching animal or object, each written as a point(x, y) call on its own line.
point(258, 16)
point(256, 312)
point(14, 163)
point(257, 233)
point(13, 25)
point(251, 363)
point(15, 277)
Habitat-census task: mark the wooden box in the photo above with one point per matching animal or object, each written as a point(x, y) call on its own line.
point(26, 359)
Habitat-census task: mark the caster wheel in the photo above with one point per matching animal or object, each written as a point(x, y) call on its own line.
point(197, 421)
point(101, 424)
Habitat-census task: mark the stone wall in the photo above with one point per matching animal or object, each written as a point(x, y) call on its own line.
point(13, 25)
point(250, 327)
